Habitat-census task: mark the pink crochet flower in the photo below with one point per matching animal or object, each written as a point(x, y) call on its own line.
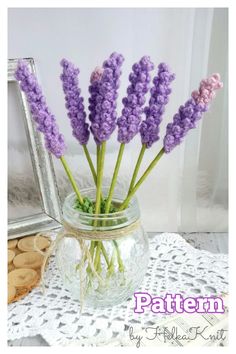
point(96, 74)
point(207, 88)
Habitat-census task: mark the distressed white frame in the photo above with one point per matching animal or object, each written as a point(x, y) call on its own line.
point(45, 179)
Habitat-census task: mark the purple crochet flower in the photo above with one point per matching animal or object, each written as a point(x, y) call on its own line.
point(191, 112)
point(104, 93)
point(129, 122)
point(149, 129)
point(94, 92)
point(46, 122)
point(74, 102)
point(183, 121)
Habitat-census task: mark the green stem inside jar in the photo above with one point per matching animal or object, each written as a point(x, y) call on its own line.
point(97, 248)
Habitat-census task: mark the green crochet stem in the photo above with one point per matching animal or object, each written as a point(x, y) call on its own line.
point(119, 259)
point(141, 179)
point(137, 167)
point(111, 267)
point(90, 162)
point(100, 176)
point(93, 245)
point(98, 152)
point(97, 259)
point(100, 166)
point(104, 252)
point(114, 178)
point(91, 251)
point(71, 178)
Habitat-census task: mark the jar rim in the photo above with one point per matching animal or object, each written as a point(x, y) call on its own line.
point(72, 197)
point(75, 217)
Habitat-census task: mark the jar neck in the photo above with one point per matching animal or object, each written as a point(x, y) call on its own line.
point(102, 222)
point(97, 235)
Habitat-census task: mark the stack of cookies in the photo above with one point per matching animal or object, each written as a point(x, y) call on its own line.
point(24, 265)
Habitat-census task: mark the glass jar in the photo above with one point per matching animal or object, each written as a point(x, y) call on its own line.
point(106, 263)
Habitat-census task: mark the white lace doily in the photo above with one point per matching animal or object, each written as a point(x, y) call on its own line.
point(174, 267)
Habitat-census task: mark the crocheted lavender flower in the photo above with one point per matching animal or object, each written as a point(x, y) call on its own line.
point(94, 92)
point(149, 128)
point(207, 88)
point(129, 122)
point(74, 102)
point(46, 123)
point(191, 112)
point(103, 98)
